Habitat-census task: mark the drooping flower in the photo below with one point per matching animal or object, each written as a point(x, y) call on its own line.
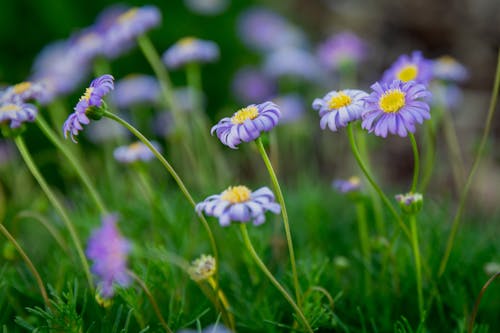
point(240, 204)
point(447, 68)
point(247, 124)
point(135, 89)
point(251, 85)
point(395, 108)
point(339, 108)
point(90, 101)
point(108, 250)
point(342, 49)
point(202, 268)
point(188, 50)
point(353, 184)
point(134, 152)
point(17, 113)
point(24, 92)
point(410, 68)
point(292, 107)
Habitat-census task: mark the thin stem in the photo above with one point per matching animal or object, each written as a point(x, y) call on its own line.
point(151, 300)
point(262, 266)
point(55, 202)
point(368, 176)
point(457, 162)
point(418, 265)
point(478, 301)
point(364, 242)
point(477, 159)
point(28, 262)
point(430, 154)
point(416, 162)
point(49, 133)
point(284, 213)
point(225, 303)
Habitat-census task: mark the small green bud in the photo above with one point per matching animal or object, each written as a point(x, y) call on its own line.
point(410, 203)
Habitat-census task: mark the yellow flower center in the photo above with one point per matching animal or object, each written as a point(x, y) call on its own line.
point(354, 180)
point(21, 87)
point(202, 268)
point(407, 73)
point(447, 60)
point(392, 100)
point(186, 41)
point(87, 94)
point(128, 15)
point(10, 107)
point(236, 194)
point(339, 100)
point(135, 146)
point(250, 112)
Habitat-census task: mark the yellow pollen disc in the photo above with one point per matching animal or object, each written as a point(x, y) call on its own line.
point(21, 87)
point(236, 194)
point(447, 60)
point(408, 73)
point(87, 94)
point(186, 41)
point(128, 15)
point(354, 180)
point(9, 107)
point(250, 112)
point(392, 100)
point(339, 100)
point(135, 146)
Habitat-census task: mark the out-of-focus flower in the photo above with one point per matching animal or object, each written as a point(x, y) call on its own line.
point(163, 123)
point(410, 68)
point(86, 44)
point(89, 103)
point(202, 268)
point(395, 108)
point(247, 124)
point(7, 152)
point(342, 49)
point(352, 184)
point(108, 250)
point(339, 108)
point(105, 130)
point(410, 203)
point(492, 268)
point(213, 328)
point(341, 262)
point(24, 92)
point(251, 85)
point(447, 95)
point(240, 204)
point(207, 7)
point(134, 152)
point(449, 69)
point(292, 107)
point(17, 113)
point(188, 50)
point(295, 63)
point(264, 30)
point(135, 89)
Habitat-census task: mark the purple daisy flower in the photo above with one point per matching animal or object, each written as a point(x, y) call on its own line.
point(108, 250)
point(24, 92)
point(188, 50)
point(93, 97)
point(410, 68)
point(251, 85)
point(17, 113)
point(293, 62)
point(352, 184)
point(342, 49)
point(447, 68)
point(238, 203)
point(134, 152)
point(135, 89)
point(247, 124)
point(339, 108)
point(395, 108)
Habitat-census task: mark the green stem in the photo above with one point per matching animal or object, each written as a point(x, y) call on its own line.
point(478, 301)
point(364, 241)
point(430, 155)
point(29, 263)
point(477, 159)
point(457, 162)
point(55, 202)
point(368, 176)
point(49, 133)
point(416, 162)
point(418, 265)
point(262, 266)
point(284, 213)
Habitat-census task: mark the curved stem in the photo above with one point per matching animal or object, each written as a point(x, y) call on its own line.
point(477, 159)
point(49, 133)
point(55, 202)
point(28, 262)
point(368, 176)
point(284, 213)
point(418, 265)
point(225, 303)
point(478, 301)
point(151, 300)
point(262, 266)
point(416, 162)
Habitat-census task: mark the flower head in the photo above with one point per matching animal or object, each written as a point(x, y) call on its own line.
point(292, 62)
point(247, 124)
point(342, 49)
point(447, 68)
point(410, 68)
point(410, 203)
point(17, 113)
point(395, 108)
point(134, 152)
point(24, 92)
point(202, 268)
point(108, 250)
point(135, 89)
point(240, 204)
point(91, 100)
point(350, 185)
point(339, 108)
point(189, 50)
